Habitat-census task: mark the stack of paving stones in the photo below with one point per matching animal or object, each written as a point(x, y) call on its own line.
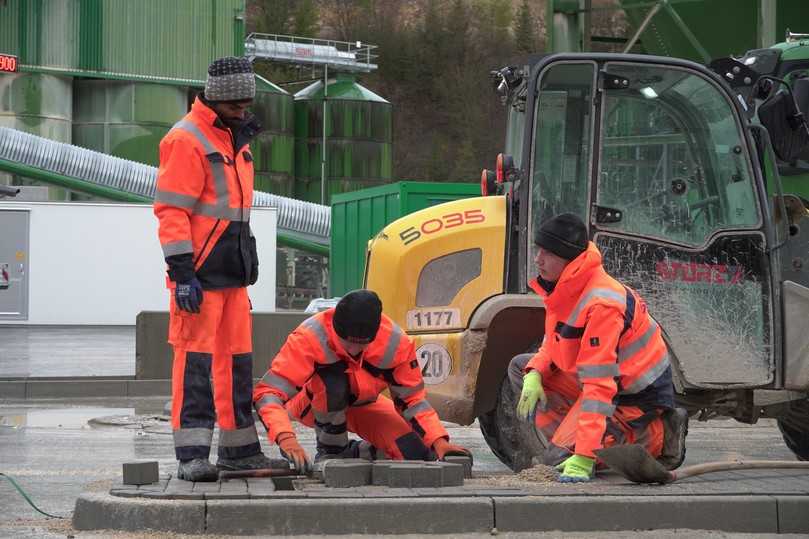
point(388, 477)
point(345, 473)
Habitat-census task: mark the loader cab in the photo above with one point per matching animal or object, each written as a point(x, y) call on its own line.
point(656, 155)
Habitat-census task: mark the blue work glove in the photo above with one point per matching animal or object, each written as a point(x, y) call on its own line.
point(576, 469)
point(188, 296)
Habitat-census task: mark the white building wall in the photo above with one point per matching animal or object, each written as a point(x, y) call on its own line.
point(101, 264)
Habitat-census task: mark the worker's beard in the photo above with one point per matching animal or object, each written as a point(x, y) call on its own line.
point(234, 124)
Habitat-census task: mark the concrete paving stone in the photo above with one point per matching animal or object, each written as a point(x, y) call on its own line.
point(343, 474)
point(148, 388)
point(179, 486)
point(260, 485)
point(185, 496)
point(334, 494)
point(152, 487)
point(497, 492)
point(140, 472)
point(54, 389)
point(371, 516)
point(793, 514)
point(12, 389)
point(234, 486)
point(283, 483)
point(400, 476)
point(205, 487)
point(452, 474)
point(227, 495)
point(100, 511)
point(466, 462)
point(749, 514)
point(425, 476)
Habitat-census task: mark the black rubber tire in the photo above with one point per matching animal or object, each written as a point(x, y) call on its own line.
point(513, 441)
point(794, 427)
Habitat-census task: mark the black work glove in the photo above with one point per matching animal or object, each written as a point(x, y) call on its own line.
point(188, 295)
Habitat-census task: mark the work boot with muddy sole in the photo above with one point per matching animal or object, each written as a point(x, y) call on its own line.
point(675, 429)
point(258, 461)
point(197, 470)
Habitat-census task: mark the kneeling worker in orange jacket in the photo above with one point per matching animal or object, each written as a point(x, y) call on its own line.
point(602, 372)
point(329, 375)
point(203, 200)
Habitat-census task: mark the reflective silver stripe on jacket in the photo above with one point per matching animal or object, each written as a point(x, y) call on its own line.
point(178, 248)
point(221, 209)
point(405, 391)
point(194, 436)
point(268, 400)
point(597, 407)
point(317, 328)
point(635, 346)
point(605, 293)
point(175, 199)
point(392, 346)
point(280, 383)
point(650, 376)
point(597, 371)
point(421, 406)
point(238, 437)
point(339, 440)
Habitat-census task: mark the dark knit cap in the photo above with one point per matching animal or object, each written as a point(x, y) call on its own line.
point(230, 79)
point(564, 235)
point(357, 316)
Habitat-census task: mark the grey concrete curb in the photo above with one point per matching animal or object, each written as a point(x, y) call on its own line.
point(338, 515)
point(82, 387)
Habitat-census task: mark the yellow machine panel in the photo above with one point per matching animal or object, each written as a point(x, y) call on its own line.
point(432, 268)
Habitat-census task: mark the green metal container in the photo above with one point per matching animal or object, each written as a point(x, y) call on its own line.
point(358, 138)
point(144, 38)
point(125, 119)
point(722, 27)
point(39, 104)
point(358, 216)
point(274, 148)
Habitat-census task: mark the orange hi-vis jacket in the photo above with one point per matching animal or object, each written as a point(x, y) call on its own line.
point(203, 200)
point(600, 331)
point(389, 362)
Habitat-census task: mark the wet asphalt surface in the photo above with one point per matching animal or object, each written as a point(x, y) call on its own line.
point(56, 450)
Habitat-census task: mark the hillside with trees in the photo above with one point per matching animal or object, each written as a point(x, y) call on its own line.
point(434, 63)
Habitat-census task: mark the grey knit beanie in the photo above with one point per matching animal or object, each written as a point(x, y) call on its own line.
point(230, 79)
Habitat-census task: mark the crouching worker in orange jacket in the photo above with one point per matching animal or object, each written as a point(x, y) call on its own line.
point(329, 375)
point(203, 199)
point(602, 374)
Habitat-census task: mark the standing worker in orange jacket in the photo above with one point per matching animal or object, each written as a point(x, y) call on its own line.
point(329, 374)
point(602, 372)
point(203, 200)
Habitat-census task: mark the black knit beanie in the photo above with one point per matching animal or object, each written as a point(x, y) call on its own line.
point(564, 235)
point(230, 79)
point(357, 316)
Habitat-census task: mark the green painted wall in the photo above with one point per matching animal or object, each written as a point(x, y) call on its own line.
point(160, 38)
point(274, 148)
point(125, 119)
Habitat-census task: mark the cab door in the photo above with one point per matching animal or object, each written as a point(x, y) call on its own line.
point(677, 214)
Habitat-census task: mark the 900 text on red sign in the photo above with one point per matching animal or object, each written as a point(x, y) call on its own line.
point(8, 63)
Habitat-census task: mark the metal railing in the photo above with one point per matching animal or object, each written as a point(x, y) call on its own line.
point(337, 55)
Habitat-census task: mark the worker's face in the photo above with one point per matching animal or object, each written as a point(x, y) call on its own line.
point(353, 349)
point(232, 111)
point(550, 266)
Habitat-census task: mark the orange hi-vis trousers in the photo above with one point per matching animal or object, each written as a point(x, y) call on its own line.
point(215, 343)
point(376, 422)
point(559, 421)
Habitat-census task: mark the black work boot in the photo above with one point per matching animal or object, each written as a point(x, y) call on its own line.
point(197, 470)
point(258, 461)
point(356, 449)
point(675, 429)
